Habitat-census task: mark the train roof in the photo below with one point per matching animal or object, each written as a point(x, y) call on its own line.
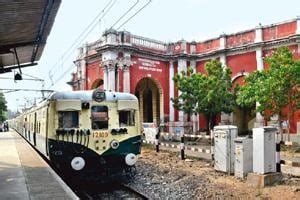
point(87, 95)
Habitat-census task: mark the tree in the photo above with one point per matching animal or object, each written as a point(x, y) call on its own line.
point(208, 94)
point(3, 108)
point(274, 89)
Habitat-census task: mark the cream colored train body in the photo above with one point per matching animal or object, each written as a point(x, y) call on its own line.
point(90, 134)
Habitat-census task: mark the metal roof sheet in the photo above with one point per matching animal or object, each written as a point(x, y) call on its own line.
point(86, 95)
point(24, 28)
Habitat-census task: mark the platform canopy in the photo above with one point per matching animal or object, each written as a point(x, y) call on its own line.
point(24, 28)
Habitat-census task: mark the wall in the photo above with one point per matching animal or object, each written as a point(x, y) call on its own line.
point(93, 72)
point(240, 62)
point(155, 69)
point(240, 39)
point(209, 45)
point(279, 31)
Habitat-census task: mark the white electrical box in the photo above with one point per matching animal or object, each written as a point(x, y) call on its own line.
point(264, 150)
point(224, 147)
point(243, 163)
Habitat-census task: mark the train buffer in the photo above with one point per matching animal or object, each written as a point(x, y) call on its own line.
point(25, 175)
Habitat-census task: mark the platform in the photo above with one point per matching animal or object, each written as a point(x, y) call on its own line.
point(25, 175)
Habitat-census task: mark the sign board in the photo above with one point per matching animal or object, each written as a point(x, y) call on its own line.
point(150, 131)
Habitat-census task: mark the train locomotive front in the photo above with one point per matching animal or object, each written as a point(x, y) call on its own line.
point(95, 134)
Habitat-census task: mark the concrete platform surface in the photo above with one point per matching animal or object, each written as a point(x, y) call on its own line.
point(25, 175)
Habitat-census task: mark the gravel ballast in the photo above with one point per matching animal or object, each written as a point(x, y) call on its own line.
point(164, 176)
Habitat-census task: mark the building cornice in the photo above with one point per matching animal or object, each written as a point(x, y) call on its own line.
point(290, 40)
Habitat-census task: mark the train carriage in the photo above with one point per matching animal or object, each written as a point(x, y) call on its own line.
point(88, 134)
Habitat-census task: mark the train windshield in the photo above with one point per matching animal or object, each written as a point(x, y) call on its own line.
point(99, 117)
point(126, 117)
point(68, 119)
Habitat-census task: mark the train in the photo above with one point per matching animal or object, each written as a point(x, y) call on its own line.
point(91, 135)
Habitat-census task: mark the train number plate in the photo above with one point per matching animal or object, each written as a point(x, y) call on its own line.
point(98, 134)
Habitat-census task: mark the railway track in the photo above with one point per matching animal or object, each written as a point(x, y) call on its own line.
point(140, 195)
point(120, 191)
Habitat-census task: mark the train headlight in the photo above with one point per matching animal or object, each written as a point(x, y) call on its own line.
point(78, 163)
point(114, 144)
point(130, 159)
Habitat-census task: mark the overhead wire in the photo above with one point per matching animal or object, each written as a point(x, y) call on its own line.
point(138, 11)
point(120, 18)
point(62, 75)
point(117, 21)
point(79, 39)
point(86, 34)
point(137, 1)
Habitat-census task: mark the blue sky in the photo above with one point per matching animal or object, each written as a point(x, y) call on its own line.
point(165, 20)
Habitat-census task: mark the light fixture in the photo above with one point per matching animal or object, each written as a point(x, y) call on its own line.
point(18, 77)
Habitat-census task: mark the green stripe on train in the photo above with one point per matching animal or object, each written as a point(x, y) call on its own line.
point(130, 145)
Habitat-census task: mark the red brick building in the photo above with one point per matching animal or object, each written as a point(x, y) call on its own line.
point(121, 61)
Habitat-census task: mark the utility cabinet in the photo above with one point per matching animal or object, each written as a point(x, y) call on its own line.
point(264, 150)
point(224, 147)
point(243, 163)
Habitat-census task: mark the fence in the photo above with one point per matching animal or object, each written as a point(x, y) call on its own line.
point(179, 136)
point(184, 140)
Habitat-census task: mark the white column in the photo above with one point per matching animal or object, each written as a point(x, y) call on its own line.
point(109, 59)
point(260, 66)
point(258, 34)
point(83, 74)
point(183, 46)
point(161, 107)
point(222, 41)
point(126, 79)
point(223, 46)
point(182, 66)
point(105, 78)
point(126, 63)
point(259, 121)
point(154, 106)
point(298, 25)
point(194, 117)
point(223, 59)
point(117, 79)
point(298, 31)
point(111, 37)
point(193, 65)
point(259, 59)
point(171, 91)
point(111, 77)
point(84, 67)
point(193, 47)
point(225, 118)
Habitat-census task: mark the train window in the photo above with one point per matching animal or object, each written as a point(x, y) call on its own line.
point(68, 119)
point(126, 118)
point(99, 117)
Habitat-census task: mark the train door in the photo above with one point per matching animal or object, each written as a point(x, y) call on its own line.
point(25, 127)
point(47, 124)
point(29, 126)
point(34, 130)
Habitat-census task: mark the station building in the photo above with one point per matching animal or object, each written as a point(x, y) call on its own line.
point(124, 62)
